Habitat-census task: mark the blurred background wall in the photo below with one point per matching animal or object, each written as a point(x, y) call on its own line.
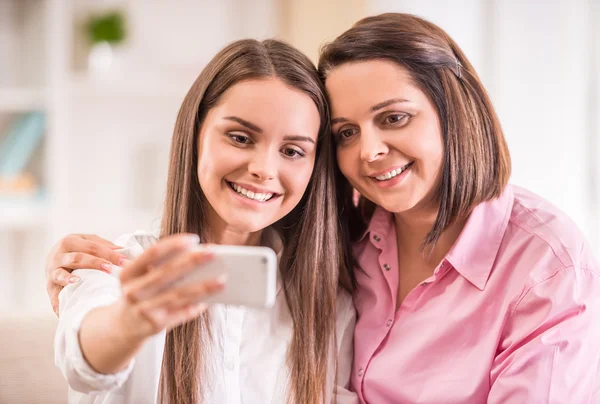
point(95, 160)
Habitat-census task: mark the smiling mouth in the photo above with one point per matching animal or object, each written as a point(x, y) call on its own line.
point(393, 173)
point(255, 196)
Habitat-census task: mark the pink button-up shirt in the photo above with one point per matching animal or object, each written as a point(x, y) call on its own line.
point(511, 315)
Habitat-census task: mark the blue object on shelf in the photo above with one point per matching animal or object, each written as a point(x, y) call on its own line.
point(20, 143)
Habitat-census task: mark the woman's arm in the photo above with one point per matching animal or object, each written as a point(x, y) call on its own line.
point(101, 329)
point(107, 341)
point(95, 290)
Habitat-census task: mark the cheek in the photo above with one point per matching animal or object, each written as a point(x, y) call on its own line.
point(348, 161)
point(295, 179)
point(213, 167)
point(437, 162)
point(433, 156)
point(205, 162)
point(217, 157)
point(207, 168)
point(425, 144)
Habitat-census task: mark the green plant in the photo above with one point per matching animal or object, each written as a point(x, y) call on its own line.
point(108, 27)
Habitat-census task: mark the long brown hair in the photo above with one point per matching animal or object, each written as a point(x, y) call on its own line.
point(476, 164)
point(310, 277)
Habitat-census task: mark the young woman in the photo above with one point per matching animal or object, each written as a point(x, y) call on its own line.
point(251, 164)
point(469, 290)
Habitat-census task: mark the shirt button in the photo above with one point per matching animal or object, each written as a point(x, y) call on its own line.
point(387, 267)
point(389, 323)
point(376, 237)
point(229, 366)
point(423, 283)
point(361, 372)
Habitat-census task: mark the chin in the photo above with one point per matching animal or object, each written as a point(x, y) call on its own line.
point(398, 207)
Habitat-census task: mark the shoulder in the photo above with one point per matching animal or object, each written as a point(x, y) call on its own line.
point(346, 313)
point(142, 238)
point(344, 300)
point(135, 243)
point(547, 234)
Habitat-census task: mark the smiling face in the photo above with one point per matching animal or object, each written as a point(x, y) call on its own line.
point(256, 153)
point(388, 134)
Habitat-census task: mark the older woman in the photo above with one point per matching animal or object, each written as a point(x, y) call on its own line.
point(469, 290)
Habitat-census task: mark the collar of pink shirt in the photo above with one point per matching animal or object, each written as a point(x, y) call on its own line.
point(474, 252)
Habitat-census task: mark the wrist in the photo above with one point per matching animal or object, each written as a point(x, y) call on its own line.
point(129, 324)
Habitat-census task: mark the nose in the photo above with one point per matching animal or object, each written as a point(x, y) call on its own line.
point(372, 147)
point(263, 166)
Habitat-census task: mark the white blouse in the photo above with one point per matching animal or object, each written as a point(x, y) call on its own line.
point(247, 360)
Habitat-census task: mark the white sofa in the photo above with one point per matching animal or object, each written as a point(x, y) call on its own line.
point(27, 371)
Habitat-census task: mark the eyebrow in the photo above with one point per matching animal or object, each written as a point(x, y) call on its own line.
point(299, 138)
point(386, 103)
point(245, 123)
point(255, 128)
point(374, 108)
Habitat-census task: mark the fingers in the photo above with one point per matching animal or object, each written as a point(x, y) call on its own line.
point(62, 277)
point(77, 260)
point(161, 318)
point(185, 314)
point(160, 278)
point(76, 253)
point(100, 240)
point(53, 291)
point(180, 297)
point(162, 250)
point(59, 279)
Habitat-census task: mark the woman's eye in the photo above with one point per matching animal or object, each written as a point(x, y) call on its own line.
point(292, 153)
point(346, 133)
point(395, 118)
point(242, 139)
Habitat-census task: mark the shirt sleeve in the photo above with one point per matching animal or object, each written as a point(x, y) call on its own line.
point(345, 336)
point(95, 289)
point(550, 349)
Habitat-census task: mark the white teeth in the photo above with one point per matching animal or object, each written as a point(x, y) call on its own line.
point(391, 174)
point(251, 195)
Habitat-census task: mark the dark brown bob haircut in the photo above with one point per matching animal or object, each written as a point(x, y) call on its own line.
point(476, 164)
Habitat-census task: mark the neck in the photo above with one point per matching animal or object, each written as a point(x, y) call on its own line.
point(232, 236)
point(223, 233)
point(411, 230)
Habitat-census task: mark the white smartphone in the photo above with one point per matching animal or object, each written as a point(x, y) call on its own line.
point(251, 275)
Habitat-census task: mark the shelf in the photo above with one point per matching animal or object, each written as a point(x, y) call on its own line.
point(21, 99)
point(18, 214)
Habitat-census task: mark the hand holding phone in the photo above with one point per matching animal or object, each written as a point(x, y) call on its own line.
point(151, 300)
point(174, 280)
point(251, 274)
